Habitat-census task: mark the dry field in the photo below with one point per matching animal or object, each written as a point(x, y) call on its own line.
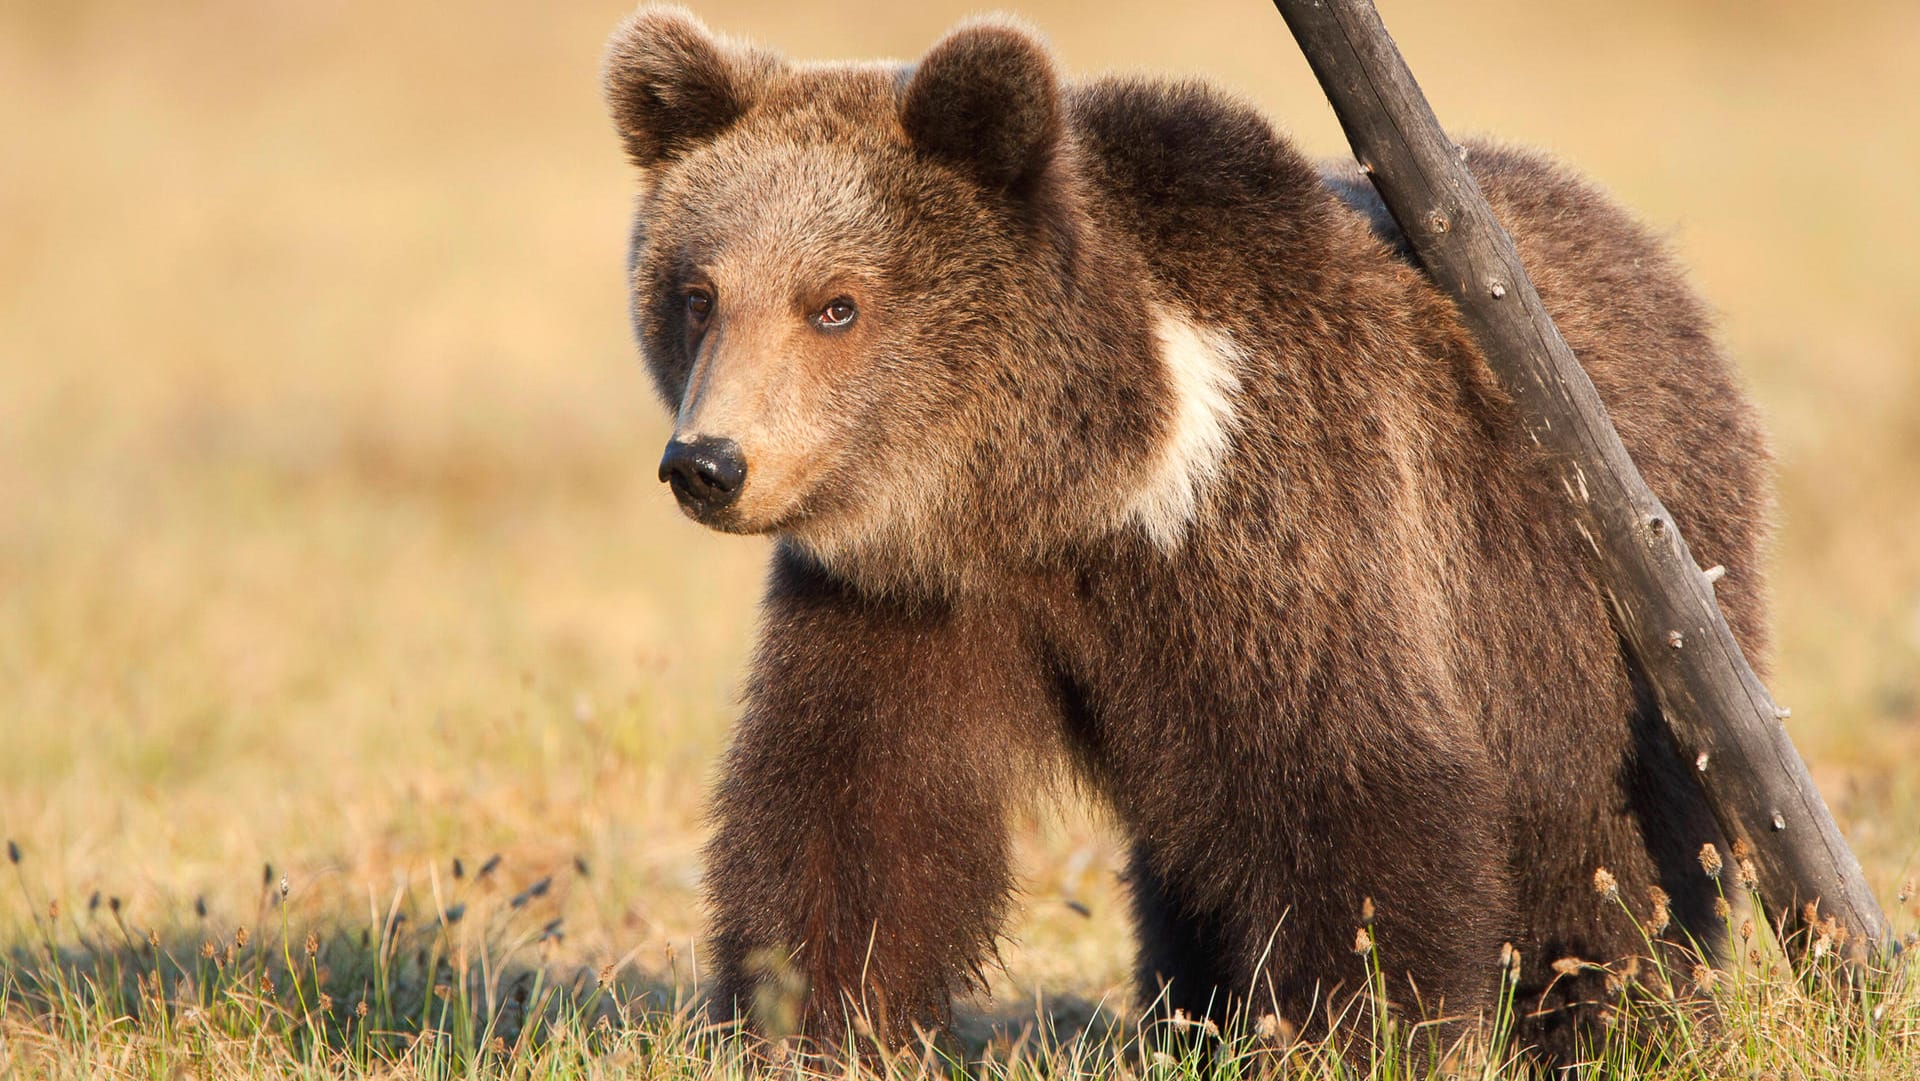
point(329, 537)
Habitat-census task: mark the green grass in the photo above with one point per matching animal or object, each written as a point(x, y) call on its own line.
point(466, 978)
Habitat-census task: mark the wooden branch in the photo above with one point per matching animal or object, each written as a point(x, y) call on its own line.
point(1720, 716)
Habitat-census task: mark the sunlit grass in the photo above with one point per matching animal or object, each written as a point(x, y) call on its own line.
point(463, 975)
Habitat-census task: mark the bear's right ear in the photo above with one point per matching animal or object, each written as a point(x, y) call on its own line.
point(986, 99)
point(671, 85)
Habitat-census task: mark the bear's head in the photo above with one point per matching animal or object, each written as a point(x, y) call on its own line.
point(881, 304)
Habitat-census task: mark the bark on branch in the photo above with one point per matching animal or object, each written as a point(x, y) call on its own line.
point(1720, 716)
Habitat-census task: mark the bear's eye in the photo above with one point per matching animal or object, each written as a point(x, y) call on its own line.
point(699, 305)
point(838, 313)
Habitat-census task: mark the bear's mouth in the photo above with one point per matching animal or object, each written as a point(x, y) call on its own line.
point(719, 519)
point(727, 488)
point(732, 518)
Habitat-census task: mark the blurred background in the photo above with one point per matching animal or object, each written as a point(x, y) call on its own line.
point(329, 535)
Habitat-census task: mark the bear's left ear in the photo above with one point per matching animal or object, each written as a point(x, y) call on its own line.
point(986, 99)
point(672, 85)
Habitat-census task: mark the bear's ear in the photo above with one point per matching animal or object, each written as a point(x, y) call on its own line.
point(986, 99)
point(672, 85)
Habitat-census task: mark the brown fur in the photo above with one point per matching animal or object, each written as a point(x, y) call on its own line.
point(1370, 663)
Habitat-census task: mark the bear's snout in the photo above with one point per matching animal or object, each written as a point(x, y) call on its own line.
point(706, 473)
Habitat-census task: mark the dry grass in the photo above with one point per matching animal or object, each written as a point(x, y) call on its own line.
point(472, 980)
point(328, 534)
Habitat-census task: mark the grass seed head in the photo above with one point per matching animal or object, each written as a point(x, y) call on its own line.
point(1569, 966)
point(1710, 860)
point(1749, 875)
point(53, 910)
point(1703, 977)
point(1366, 912)
point(1605, 884)
point(1906, 890)
point(1721, 909)
point(313, 945)
point(1662, 913)
point(1273, 1028)
point(1362, 941)
point(240, 937)
point(1741, 849)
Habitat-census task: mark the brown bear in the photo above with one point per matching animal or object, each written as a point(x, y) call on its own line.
point(1104, 436)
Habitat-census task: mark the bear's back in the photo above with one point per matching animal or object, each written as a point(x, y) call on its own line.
point(1232, 221)
point(1192, 174)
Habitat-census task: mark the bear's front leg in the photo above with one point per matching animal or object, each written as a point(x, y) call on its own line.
point(859, 872)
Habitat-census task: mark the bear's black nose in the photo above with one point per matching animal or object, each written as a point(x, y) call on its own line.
point(706, 473)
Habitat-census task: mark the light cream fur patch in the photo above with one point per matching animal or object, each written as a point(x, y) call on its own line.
point(1203, 371)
